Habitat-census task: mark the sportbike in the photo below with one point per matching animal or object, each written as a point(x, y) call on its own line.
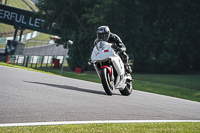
point(110, 69)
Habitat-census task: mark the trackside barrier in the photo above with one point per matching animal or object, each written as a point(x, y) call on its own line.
point(36, 61)
point(40, 54)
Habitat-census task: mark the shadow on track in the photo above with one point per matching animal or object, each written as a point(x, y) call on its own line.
point(70, 88)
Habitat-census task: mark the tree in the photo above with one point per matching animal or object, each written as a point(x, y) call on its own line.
point(160, 36)
point(70, 24)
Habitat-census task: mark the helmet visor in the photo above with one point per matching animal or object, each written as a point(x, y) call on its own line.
point(103, 36)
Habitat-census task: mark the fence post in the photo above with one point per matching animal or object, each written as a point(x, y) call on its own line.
point(42, 61)
point(32, 54)
point(52, 54)
point(17, 60)
point(39, 52)
point(64, 59)
point(46, 53)
point(24, 60)
point(25, 55)
point(27, 61)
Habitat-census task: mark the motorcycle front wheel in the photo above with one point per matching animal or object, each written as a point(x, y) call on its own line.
point(106, 81)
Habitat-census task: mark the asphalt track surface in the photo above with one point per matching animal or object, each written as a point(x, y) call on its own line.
point(28, 96)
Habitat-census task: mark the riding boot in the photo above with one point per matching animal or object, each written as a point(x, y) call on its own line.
point(128, 68)
point(125, 59)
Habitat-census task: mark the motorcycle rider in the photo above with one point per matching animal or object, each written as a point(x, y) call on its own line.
point(104, 34)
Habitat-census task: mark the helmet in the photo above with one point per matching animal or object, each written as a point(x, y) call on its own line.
point(103, 33)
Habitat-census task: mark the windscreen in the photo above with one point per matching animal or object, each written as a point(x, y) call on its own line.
point(101, 45)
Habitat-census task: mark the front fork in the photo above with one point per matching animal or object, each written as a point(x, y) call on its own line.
point(97, 70)
point(110, 70)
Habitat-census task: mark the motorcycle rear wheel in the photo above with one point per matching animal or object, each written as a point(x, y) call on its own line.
point(108, 85)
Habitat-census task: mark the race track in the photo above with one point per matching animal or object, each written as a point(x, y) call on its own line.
point(28, 96)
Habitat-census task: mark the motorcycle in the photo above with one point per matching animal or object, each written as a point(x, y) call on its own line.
point(110, 69)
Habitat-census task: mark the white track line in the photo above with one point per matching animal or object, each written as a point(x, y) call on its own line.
point(90, 122)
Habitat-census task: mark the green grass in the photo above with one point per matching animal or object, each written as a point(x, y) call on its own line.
point(185, 81)
point(20, 4)
point(42, 36)
point(4, 28)
point(25, 68)
point(168, 90)
point(37, 41)
point(181, 86)
point(2, 45)
point(109, 128)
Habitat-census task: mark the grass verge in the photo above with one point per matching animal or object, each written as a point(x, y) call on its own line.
point(111, 128)
point(42, 39)
point(25, 68)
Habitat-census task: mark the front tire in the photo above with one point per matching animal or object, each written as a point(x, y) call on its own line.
point(108, 85)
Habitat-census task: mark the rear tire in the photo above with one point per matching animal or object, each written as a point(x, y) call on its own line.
point(127, 90)
point(108, 85)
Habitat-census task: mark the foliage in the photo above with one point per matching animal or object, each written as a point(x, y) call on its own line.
point(160, 36)
point(69, 16)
